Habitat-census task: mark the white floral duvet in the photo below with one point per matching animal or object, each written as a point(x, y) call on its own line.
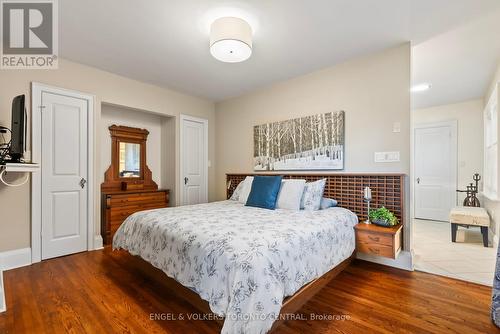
point(244, 261)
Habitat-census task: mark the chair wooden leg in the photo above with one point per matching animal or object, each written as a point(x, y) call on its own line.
point(484, 232)
point(454, 228)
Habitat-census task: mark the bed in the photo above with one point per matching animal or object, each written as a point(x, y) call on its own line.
point(250, 266)
point(244, 261)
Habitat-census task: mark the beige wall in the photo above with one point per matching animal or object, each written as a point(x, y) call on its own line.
point(107, 88)
point(469, 116)
point(110, 115)
point(492, 205)
point(373, 91)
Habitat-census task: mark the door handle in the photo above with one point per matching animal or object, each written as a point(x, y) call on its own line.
point(186, 180)
point(418, 180)
point(82, 183)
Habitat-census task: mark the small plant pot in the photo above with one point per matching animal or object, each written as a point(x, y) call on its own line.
point(381, 222)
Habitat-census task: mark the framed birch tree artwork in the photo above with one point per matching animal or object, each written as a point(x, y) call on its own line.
point(307, 143)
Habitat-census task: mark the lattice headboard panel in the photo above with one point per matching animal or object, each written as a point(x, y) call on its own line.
point(347, 189)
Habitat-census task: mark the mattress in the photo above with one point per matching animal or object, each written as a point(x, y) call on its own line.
point(243, 260)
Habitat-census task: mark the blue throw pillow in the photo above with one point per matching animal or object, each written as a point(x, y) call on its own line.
point(264, 192)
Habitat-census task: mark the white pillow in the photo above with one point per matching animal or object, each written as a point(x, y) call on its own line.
point(327, 203)
point(237, 192)
point(290, 194)
point(247, 186)
point(313, 193)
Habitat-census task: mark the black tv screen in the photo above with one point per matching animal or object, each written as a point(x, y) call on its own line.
point(18, 128)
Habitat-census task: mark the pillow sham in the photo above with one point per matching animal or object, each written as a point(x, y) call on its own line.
point(245, 190)
point(313, 192)
point(237, 192)
point(327, 203)
point(264, 192)
point(290, 194)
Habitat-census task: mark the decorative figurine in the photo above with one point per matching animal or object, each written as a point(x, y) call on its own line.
point(472, 191)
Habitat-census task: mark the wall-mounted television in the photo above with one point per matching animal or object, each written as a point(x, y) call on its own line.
point(18, 129)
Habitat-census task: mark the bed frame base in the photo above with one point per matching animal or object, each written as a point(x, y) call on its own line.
point(290, 305)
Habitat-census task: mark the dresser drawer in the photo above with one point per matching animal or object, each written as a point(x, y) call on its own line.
point(375, 249)
point(121, 213)
point(378, 238)
point(118, 215)
point(123, 200)
point(125, 211)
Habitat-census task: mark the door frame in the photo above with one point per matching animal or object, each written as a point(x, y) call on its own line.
point(453, 124)
point(204, 121)
point(36, 154)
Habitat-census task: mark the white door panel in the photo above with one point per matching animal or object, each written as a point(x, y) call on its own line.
point(65, 207)
point(64, 166)
point(193, 195)
point(435, 171)
point(194, 161)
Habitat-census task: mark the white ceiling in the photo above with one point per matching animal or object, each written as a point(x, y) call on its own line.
point(459, 64)
point(165, 42)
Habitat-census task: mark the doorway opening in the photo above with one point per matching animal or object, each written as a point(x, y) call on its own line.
point(449, 119)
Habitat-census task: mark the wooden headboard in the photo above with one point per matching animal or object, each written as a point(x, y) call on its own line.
point(347, 188)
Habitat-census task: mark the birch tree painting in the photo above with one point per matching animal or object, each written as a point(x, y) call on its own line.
point(307, 143)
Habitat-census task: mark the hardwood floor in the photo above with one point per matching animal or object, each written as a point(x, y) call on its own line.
point(97, 292)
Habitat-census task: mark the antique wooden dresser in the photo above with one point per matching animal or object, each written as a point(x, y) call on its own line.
point(128, 184)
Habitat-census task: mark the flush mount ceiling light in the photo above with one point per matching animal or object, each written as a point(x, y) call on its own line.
point(231, 40)
point(421, 87)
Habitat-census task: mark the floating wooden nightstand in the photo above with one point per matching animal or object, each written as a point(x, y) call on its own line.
point(377, 240)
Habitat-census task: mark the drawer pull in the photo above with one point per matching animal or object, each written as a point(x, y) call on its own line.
point(374, 250)
point(375, 239)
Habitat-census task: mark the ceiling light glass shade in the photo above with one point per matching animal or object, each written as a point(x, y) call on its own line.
point(231, 40)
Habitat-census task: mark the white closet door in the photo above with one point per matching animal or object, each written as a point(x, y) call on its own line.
point(64, 175)
point(435, 171)
point(194, 161)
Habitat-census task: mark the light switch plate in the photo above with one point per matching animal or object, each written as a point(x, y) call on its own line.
point(387, 156)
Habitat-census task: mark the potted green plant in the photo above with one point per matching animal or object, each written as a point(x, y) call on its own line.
point(383, 217)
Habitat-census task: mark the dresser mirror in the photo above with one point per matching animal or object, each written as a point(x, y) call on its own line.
point(128, 169)
point(129, 160)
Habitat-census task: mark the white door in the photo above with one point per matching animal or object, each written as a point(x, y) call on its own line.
point(194, 160)
point(435, 170)
point(64, 161)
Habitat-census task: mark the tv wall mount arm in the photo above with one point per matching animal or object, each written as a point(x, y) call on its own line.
point(27, 168)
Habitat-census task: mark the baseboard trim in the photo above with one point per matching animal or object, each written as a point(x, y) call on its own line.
point(15, 258)
point(403, 261)
point(98, 243)
point(3, 306)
